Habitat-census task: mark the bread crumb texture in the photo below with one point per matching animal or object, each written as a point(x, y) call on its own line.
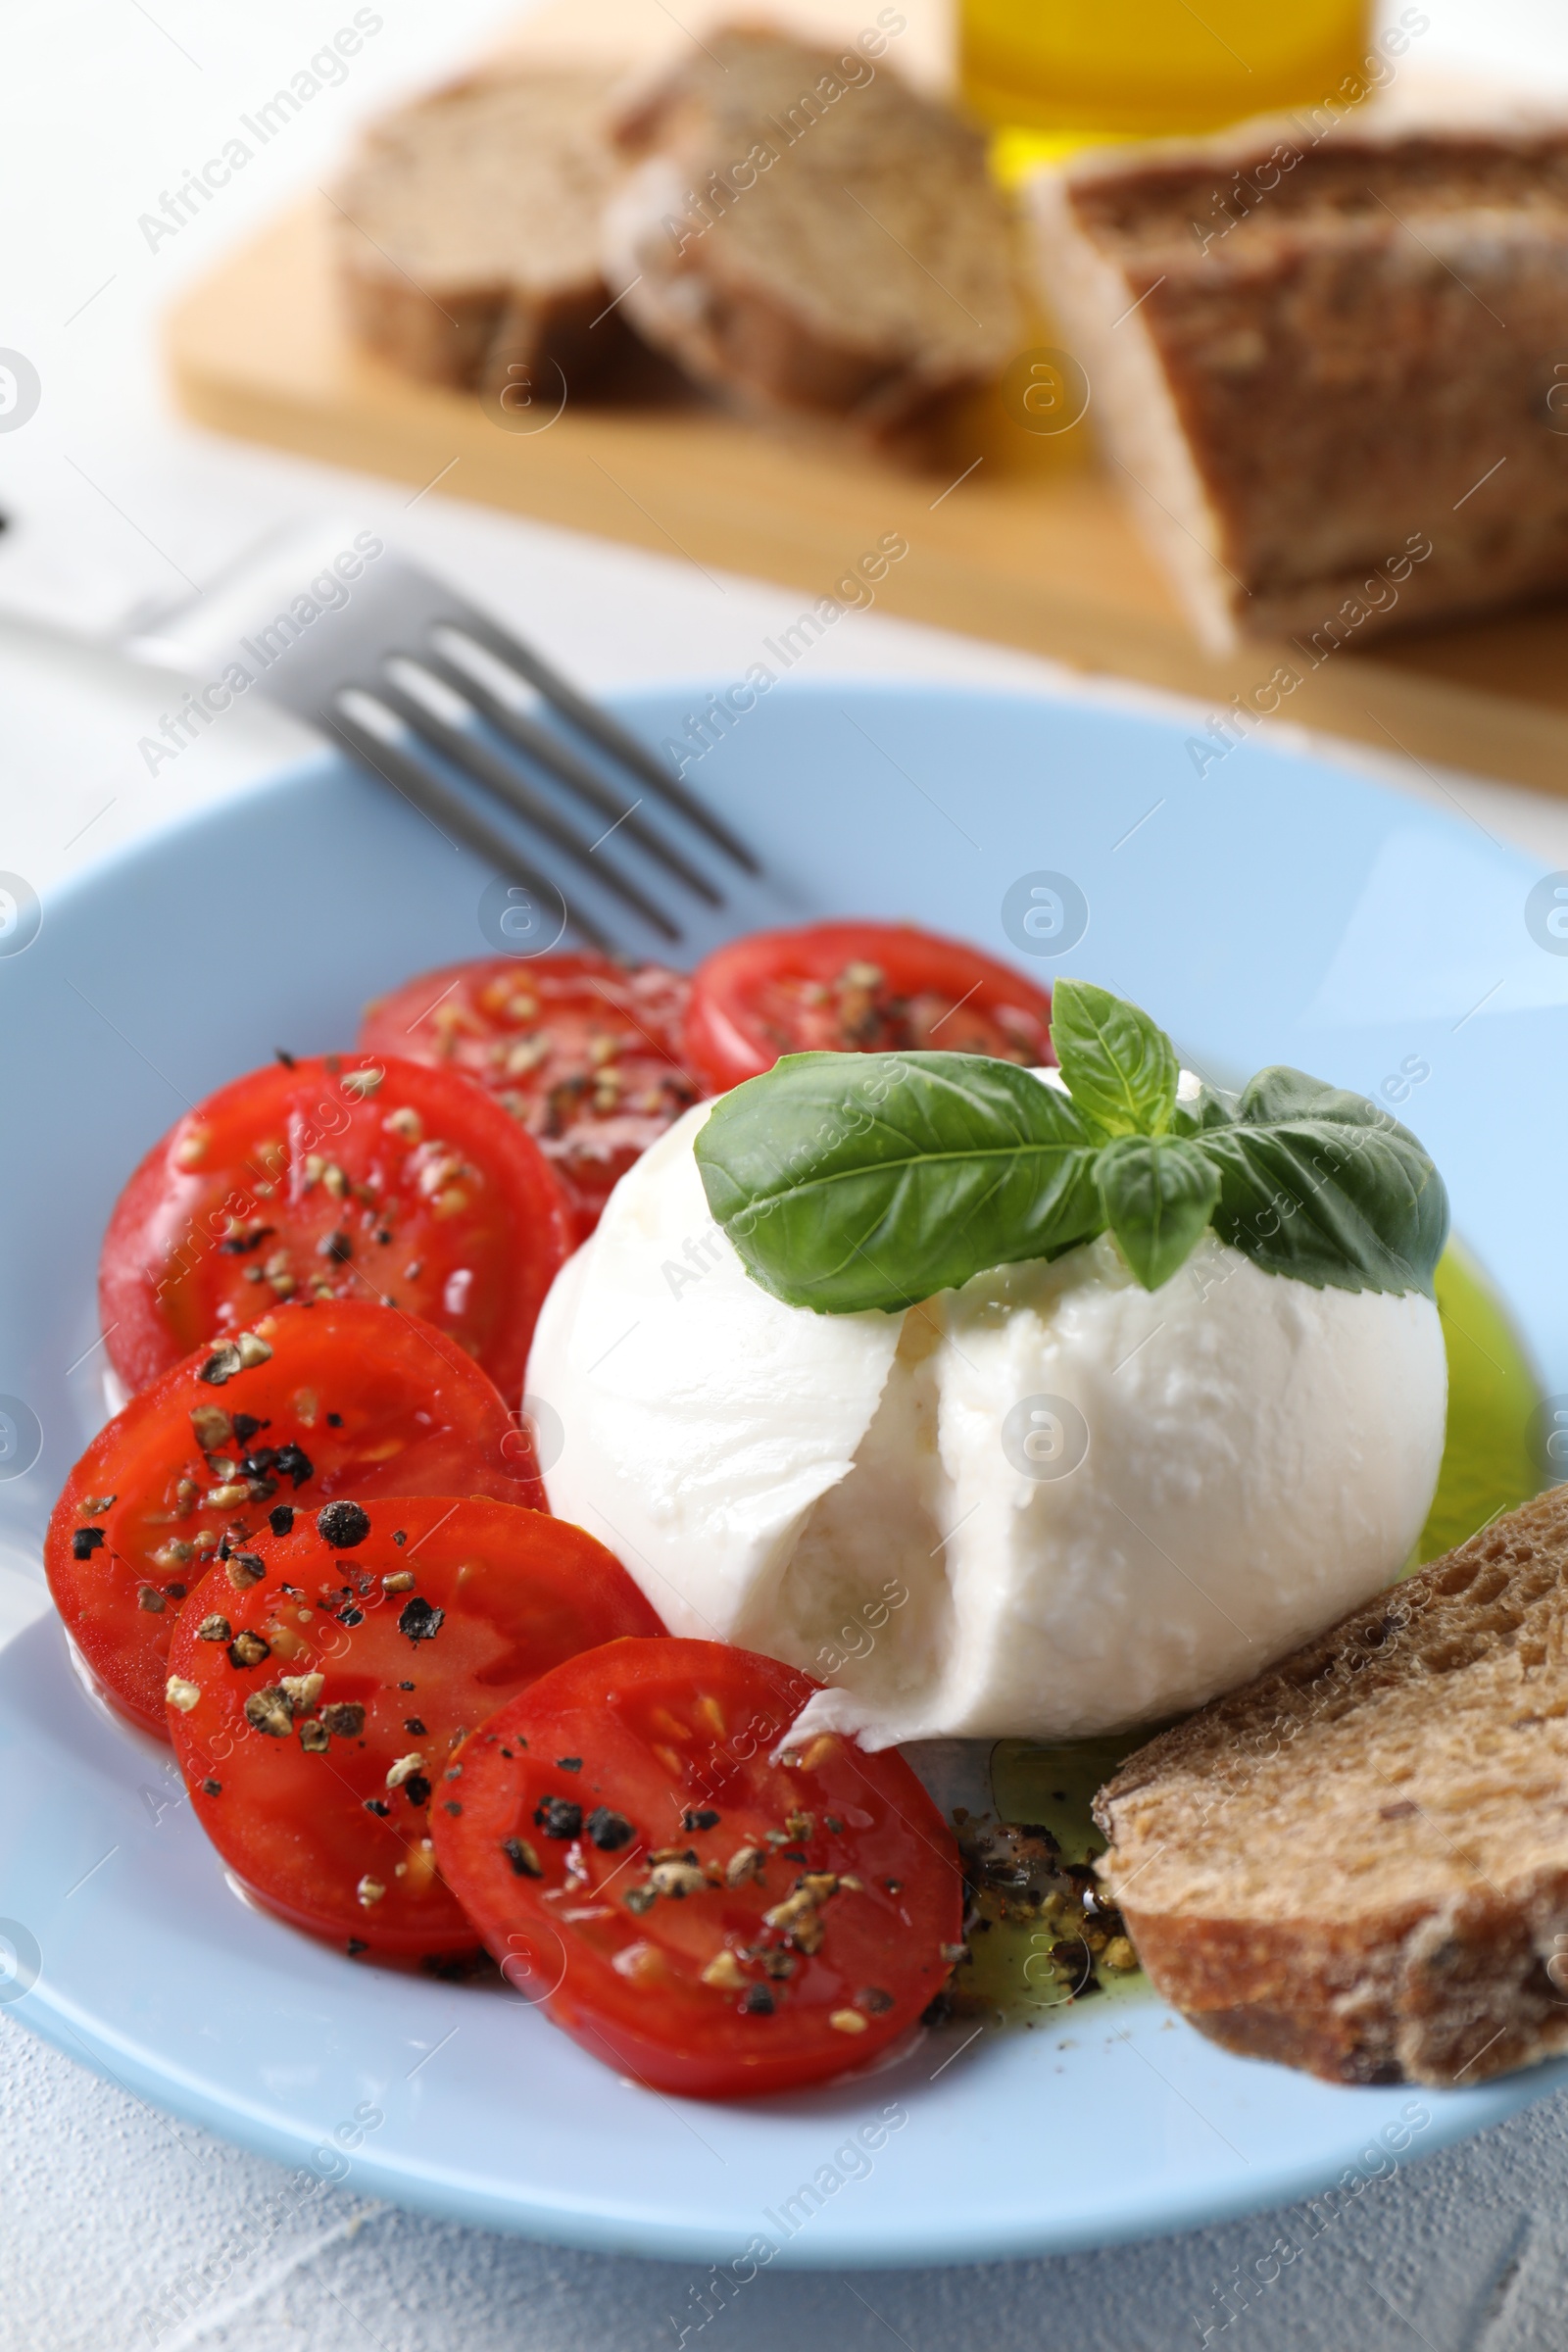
point(468, 230)
point(1358, 1862)
point(804, 232)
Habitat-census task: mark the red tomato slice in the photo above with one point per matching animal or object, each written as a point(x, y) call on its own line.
point(857, 988)
point(315, 1711)
point(344, 1177)
point(692, 1914)
point(585, 1052)
point(351, 1399)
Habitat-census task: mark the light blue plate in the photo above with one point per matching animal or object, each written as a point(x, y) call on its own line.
point(1280, 909)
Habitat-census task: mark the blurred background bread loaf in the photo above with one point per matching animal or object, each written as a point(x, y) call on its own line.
point(1327, 365)
point(471, 217)
point(709, 275)
point(792, 226)
point(808, 236)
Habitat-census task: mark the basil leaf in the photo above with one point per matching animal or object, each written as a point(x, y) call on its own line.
point(1159, 1193)
point(873, 1180)
point(1120, 1069)
point(1324, 1187)
point(1210, 1109)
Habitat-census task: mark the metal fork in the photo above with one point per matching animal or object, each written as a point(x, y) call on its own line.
point(447, 709)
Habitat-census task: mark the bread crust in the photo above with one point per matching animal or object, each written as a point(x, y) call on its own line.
point(1318, 358)
point(1419, 1716)
point(468, 340)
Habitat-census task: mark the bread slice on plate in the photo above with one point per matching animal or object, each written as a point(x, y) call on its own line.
point(1359, 1863)
point(807, 236)
point(467, 233)
point(1330, 362)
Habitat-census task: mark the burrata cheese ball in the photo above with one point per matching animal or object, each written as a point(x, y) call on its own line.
point(1048, 1504)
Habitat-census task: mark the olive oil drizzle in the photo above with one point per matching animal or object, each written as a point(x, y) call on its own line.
point(1041, 1936)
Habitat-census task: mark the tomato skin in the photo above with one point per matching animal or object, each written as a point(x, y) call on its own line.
point(415, 1415)
point(796, 992)
point(669, 1733)
point(585, 1052)
point(501, 1594)
point(293, 1175)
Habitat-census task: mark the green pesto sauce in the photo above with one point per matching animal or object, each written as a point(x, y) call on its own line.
point(1486, 1468)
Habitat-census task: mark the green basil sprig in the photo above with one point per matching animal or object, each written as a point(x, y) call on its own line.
point(850, 1182)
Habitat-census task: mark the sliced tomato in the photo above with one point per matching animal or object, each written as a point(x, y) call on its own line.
point(583, 1052)
point(335, 1398)
point(857, 988)
point(319, 1687)
point(344, 1177)
point(710, 1922)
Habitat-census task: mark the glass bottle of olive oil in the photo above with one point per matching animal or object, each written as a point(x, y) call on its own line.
point(1131, 68)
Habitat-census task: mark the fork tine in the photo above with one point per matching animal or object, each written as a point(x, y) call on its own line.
point(464, 749)
point(429, 792)
point(558, 759)
point(606, 732)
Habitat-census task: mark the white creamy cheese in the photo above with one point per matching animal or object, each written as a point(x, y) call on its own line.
point(1050, 1503)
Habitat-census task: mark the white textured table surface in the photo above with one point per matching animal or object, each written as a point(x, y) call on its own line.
point(119, 2229)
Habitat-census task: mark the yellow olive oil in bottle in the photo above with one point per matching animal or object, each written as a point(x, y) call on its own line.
point(1078, 71)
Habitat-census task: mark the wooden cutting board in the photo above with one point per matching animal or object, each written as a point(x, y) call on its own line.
point(1015, 538)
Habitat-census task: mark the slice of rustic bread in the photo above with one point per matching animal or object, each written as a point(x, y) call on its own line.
point(1325, 364)
point(808, 237)
point(468, 233)
point(1359, 1863)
